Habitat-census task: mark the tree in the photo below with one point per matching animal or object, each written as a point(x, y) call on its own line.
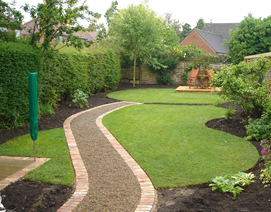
point(55, 18)
point(10, 18)
point(252, 36)
point(186, 30)
point(140, 33)
point(174, 24)
point(110, 12)
point(200, 23)
point(102, 33)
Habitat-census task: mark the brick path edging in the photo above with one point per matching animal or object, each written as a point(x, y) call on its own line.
point(148, 193)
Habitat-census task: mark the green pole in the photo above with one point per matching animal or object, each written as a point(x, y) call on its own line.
point(33, 108)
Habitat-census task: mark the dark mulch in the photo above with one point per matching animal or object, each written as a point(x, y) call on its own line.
point(35, 196)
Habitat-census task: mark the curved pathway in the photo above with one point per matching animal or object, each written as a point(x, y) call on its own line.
point(107, 177)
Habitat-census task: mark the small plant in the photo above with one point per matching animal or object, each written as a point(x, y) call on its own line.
point(244, 179)
point(229, 112)
point(265, 176)
point(80, 99)
point(232, 183)
point(259, 128)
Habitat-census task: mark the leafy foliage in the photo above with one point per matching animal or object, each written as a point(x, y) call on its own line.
point(102, 33)
point(252, 36)
point(90, 71)
point(200, 24)
point(16, 60)
point(174, 24)
point(10, 18)
point(265, 175)
point(140, 33)
point(259, 128)
point(80, 99)
point(246, 84)
point(229, 112)
point(56, 18)
point(232, 184)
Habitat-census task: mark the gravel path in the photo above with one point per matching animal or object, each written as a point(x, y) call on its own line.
point(113, 186)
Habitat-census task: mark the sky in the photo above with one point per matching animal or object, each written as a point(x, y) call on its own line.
point(189, 11)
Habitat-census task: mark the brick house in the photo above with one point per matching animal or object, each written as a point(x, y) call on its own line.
point(86, 36)
point(211, 38)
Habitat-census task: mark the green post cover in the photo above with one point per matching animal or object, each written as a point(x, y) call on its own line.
point(33, 105)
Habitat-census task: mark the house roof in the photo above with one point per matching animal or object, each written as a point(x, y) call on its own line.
point(220, 28)
point(86, 36)
point(215, 41)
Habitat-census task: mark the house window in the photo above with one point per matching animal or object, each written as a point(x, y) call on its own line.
point(2, 29)
point(17, 33)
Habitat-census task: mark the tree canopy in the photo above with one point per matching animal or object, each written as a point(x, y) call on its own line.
point(200, 23)
point(140, 33)
point(10, 18)
point(55, 18)
point(252, 36)
point(174, 24)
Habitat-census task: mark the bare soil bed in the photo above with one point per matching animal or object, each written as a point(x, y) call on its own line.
point(24, 195)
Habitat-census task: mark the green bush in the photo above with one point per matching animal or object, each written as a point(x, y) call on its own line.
point(246, 84)
point(16, 60)
point(90, 71)
point(59, 76)
point(259, 128)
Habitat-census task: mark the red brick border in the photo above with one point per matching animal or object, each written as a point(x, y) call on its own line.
point(148, 195)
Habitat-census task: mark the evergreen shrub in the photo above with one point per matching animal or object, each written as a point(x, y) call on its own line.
point(16, 60)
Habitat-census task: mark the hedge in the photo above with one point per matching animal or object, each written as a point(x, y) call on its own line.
point(16, 60)
point(59, 77)
point(91, 72)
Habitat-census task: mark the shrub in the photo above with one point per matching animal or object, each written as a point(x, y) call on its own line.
point(232, 183)
point(245, 84)
point(265, 175)
point(259, 128)
point(90, 71)
point(16, 60)
point(80, 99)
point(169, 63)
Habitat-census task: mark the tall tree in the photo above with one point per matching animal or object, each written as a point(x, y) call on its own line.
point(252, 36)
point(102, 33)
point(186, 30)
point(110, 12)
point(55, 18)
point(200, 23)
point(140, 32)
point(174, 24)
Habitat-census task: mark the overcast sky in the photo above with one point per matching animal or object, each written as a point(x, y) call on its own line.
point(215, 11)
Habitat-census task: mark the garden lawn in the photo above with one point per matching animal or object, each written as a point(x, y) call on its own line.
point(50, 144)
point(164, 96)
point(175, 148)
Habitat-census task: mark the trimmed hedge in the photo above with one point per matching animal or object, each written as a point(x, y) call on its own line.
point(59, 77)
point(16, 60)
point(91, 72)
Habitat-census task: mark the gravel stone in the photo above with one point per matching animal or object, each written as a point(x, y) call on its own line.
point(113, 186)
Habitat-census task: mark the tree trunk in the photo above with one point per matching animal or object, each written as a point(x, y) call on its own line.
point(134, 73)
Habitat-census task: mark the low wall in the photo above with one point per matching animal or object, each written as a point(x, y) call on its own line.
point(144, 74)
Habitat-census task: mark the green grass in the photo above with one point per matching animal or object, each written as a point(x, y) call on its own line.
point(50, 144)
point(163, 96)
point(175, 148)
